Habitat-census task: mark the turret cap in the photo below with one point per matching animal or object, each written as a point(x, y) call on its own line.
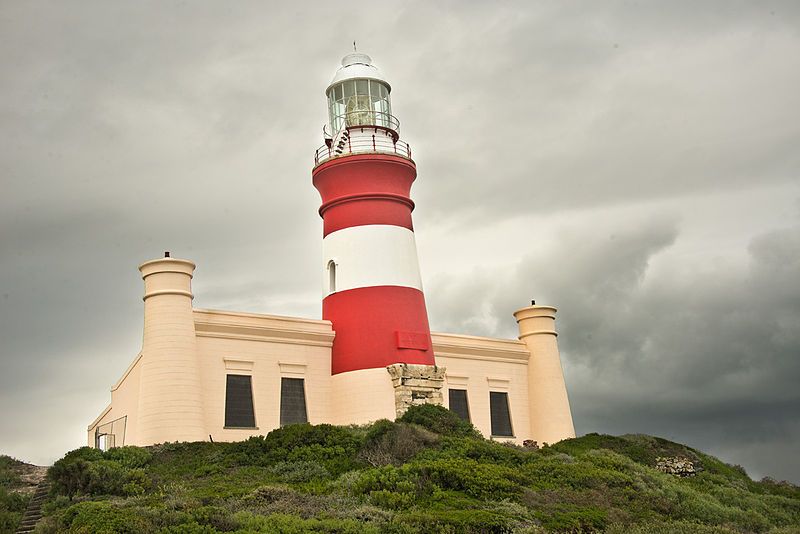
point(357, 65)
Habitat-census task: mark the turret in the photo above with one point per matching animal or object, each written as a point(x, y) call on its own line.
point(550, 416)
point(170, 402)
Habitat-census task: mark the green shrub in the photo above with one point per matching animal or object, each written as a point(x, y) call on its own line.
point(287, 524)
point(480, 480)
point(455, 521)
point(87, 471)
point(573, 519)
point(439, 420)
point(395, 443)
point(639, 448)
point(295, 472)
point(481, 450)
point(9, 477)
point(70, 475)
point(105, 477)
point(129, 456)
point(672, 527)
point(171, 461)
point(13, 501)
point(189, 528)
point(331, 446)
point(208, 469)
point(214, 516)
point(393, 500)
point(12, 507)
point(553, 473)
point(102, 517)
point(390, 478)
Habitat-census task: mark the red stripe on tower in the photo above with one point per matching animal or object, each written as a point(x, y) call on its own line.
point(364, 175)
point(376, 190)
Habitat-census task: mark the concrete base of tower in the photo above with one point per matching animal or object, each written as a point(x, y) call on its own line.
point(362, 396)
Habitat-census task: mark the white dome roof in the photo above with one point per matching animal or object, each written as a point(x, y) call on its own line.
point(357, 65)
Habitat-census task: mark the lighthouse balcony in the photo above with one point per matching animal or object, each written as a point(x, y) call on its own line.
point(362, 132)
point(362, 140)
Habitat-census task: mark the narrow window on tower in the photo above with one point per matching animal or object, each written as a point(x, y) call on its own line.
point(459, 404)
point(501, 417)
point(331, 276)
point(239, 402)
point(293, 401)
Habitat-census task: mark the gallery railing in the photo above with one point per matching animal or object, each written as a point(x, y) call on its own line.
point(362, 144)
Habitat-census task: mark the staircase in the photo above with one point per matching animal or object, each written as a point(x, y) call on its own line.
point(343, 139)
point(34, 511)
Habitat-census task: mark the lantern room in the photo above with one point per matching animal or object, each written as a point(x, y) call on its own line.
point(359, 96)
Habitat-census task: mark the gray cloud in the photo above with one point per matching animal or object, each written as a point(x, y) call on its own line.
point(710, 360)
point(632, 164)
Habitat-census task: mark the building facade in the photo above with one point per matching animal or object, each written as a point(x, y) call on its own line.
point(225, 376)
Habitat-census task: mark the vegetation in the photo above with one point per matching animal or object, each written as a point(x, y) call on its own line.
point(427, 472)
point(12, 503)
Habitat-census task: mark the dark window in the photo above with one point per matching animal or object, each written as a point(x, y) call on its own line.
point(293, 401)
point(459, 404)
point(331, 276)
point(239, 402)
point(501, 418)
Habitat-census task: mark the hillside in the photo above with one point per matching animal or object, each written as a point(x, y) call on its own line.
point(18, 481)
point(429, 472)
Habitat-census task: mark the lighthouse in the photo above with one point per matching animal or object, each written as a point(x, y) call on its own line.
point(372, 286)
point(226, 375)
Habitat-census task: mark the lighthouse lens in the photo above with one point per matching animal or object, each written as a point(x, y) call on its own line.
point(359, 102)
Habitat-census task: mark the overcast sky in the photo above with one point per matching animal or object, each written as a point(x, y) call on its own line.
point(635, 164)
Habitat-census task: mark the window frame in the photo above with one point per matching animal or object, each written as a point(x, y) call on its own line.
point(226, 424)
point(493, 395)
point(280, 402)
point(450, 391)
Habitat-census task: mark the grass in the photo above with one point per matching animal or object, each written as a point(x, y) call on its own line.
point(424, 473)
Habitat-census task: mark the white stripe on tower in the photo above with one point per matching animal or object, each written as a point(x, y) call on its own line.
point(372, 255)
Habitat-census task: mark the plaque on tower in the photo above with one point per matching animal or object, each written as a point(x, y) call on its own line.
point(412, 340)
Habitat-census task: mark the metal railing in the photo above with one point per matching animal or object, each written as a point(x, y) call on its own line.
point(379, 144)
point(111, 434)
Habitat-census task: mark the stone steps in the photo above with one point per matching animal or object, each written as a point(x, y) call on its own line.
point(34, 511)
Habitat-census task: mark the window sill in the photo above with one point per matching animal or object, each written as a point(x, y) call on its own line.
point(240, 428)
point(502, 437)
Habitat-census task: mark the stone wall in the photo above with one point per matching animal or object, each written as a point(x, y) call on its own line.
point(416, 384)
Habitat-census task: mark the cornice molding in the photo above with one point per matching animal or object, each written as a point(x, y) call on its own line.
point(263, 328)
point(479, 348)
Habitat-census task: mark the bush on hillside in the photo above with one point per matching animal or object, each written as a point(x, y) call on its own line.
point(12, 506)
point(439, 420)
point(427, 472)
point(130, 457)
point(333, 447)
point(295, 472)
point(395, 443)
point(103, 517)
point(9, 477)
point(88, 471)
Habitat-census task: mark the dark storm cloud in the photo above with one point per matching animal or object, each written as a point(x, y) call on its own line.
point(711, 360)
point(582, 154)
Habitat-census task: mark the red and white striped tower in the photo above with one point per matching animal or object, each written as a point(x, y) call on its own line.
point(373, 292)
